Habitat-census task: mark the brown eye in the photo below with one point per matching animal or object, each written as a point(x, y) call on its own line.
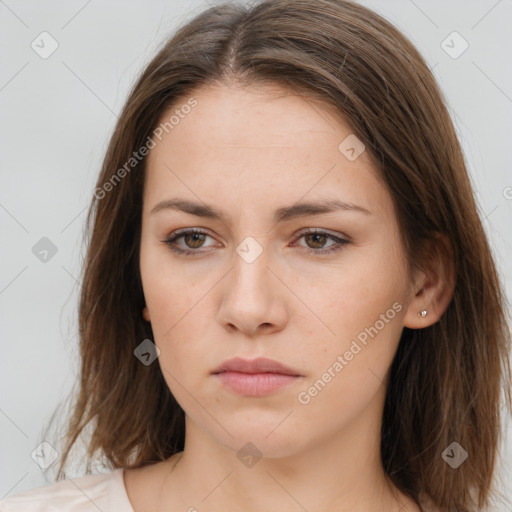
point(194, 240)
point(317, 240)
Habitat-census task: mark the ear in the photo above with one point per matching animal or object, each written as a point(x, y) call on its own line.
point(433, 287)
point(145, 313)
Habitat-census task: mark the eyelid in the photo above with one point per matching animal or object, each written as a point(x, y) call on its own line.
point(323, 231)
point(340, 241)
point(304, 231)
point(185, 231)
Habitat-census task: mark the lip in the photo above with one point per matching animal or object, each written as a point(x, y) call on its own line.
point(258, 365)
point(256, 377)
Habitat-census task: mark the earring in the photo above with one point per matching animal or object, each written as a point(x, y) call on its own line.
point(422, 313)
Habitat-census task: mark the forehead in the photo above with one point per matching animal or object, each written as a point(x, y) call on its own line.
point(253, 116)
point(248, 145)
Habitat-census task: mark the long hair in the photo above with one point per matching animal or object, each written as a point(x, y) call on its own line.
point(445, 380)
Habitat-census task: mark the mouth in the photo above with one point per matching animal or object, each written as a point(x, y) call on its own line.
point(256, 384)
point(258, 365)
point(257, 377)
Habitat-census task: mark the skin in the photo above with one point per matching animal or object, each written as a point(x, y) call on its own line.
point(250, 151)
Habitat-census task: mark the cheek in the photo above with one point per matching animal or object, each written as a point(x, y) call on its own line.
point(346, 373)
point(346, 300)
point(176, 321)
point(169, 293)
point(360, 318)
point(169, 299)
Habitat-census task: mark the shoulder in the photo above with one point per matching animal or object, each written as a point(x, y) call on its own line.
point(104, 491)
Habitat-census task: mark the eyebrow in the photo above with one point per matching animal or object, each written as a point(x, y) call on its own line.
point(280, 215)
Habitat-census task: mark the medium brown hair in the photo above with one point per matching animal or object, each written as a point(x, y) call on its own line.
point(444, 382)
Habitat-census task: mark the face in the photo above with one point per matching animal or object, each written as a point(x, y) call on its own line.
point(323, 293)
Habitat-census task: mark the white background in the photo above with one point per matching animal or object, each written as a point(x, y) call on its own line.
point(57, 115)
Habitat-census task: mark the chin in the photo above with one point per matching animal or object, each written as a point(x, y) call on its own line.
point(263, 440)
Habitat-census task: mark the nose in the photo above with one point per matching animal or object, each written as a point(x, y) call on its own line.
point(253, 297)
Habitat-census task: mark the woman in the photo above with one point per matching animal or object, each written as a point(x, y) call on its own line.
point(289, 301)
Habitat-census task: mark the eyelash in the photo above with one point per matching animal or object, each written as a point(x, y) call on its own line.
point(170, 241)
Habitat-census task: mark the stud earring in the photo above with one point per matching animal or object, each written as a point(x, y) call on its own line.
point(422, 313)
